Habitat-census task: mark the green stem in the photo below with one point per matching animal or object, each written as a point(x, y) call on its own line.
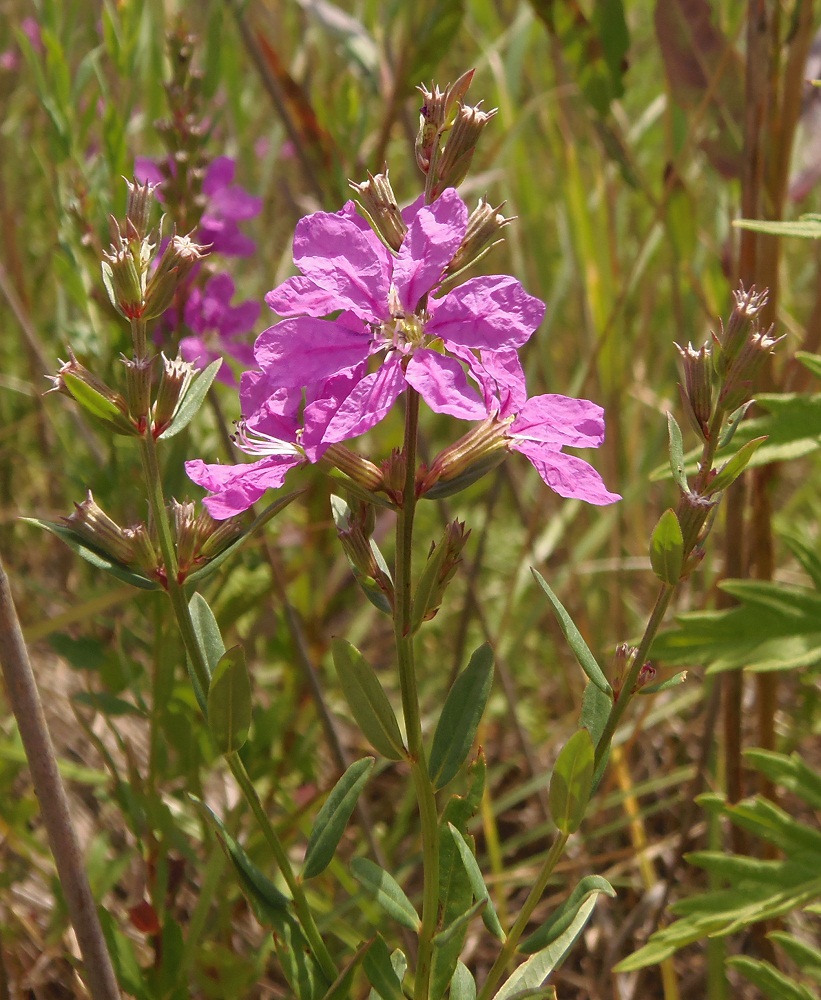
point(512, 940)
point(626, 694)
point(201, 671)
point(429, 820)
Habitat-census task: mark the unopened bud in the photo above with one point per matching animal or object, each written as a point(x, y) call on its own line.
point(461, 145)
point(99, 401)
point(354, 526)
point(138, 206)
point(697, 391)
point(138, 376)
point(745, 366)
point(175, 379)
point(693, 513)
point(94, 526)
point(379, 202)
point(393, 476)
point(146, 557)
point(484, 226)
point(439, 570)
point(180, 256)
point(433, 118)
point(124, 279)
point(748, 305)
point(466, 460)
point(355, 467)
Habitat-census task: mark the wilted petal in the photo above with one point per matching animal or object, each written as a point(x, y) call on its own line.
point(367, 404)
point(338, 256)
point(442, 383)
point(429, 245)
point(565, 474)
point(489, 313)
point(302, 350)
point(235, 487)
point(560, 420)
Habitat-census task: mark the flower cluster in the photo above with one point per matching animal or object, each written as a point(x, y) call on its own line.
point(362, 323)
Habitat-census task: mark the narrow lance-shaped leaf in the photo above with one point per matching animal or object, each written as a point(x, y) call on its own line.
point(563, 917)
point(459, 924)
point(380, 971)
point(572, 782)
point(210, 642)
point(460, 718)
point(667, 549)
point(333, 817)
point(477, 883)
point(732, 469)
point(386, 891)
point(367, 700)
point(574, 638)
point(463, 985)
point(671, 682)
point(229, 701)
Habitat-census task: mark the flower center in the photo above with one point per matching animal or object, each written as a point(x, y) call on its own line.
point(403, 331)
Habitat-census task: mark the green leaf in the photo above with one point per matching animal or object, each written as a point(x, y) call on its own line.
point(444, 937)
point(538, 967)
point(399, 963)
point(574, 638)
point(386, 891)
point(463, 985)
point(208, 636)
point(812, 362)
point(192, 401)
point(563, 917)
point(671, 682)
point(676, 453)
point(95, 556)
point(807, 226)
point(806, 956)
point(460, 718)
point(667, 548)
point(789, 772)
point(380, 971)
point(340, 989)
point(732, 469)
point(270, 905)
point(229, 701)
point(333, 817)
point(772, 983)
point(477, 883)
point(572, 782)
point(367, 700)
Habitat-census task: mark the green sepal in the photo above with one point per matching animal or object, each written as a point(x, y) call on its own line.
point(95, 556)
point(667, 548)
point(192, 401)
point(579, 647)
point(562, 918)
point(333, 817)
point(386, 891)
point(229, 701)
point(367, 700)
point(732, 469)
point(460, 718)
point(572, 782)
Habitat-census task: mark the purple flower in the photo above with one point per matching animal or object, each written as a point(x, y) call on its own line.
point(217, 325)
point(540, 427)
point(227, 204)
point(389, 309)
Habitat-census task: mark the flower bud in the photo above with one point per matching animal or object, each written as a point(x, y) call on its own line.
point(466, 461)
point(355, 467)
point(94, 526)
point(439, 570)
point(123, 277)
point(744, 367)
point(693, 512)
point(379, 202)
point(748, 304)
point(181, 254)
point(461, 145)
point(99, 401)
point(354, 527)
point(138, 206)
point(146, 556)
point(484, 225)
point(175, 379)
point(393, 476)
point(433, 118)
point(697, 391)
point(138, 377)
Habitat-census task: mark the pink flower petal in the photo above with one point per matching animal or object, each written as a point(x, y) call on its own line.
point(235, 487)
point(429, 245)
point(338, 256)
point(442, 383)
point(565, 474)
point(299, 296)
point(490, 313)
point(560, 420)
point(304, 350)
point(219, 174)
point(367, 403)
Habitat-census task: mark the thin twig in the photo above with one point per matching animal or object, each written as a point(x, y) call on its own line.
point(48, 786)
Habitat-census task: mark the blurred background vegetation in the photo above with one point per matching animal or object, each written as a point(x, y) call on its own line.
point(627, 140)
